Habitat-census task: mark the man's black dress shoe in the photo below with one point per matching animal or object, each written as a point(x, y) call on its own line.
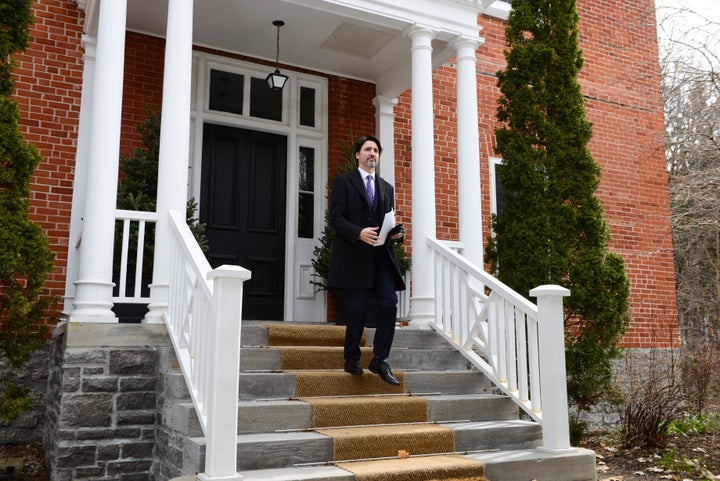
point(353, 367)
point(383, 369)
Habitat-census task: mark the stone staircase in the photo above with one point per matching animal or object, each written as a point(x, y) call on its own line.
point(301, 417)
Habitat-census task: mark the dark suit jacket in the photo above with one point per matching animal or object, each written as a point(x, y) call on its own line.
point(352, 261)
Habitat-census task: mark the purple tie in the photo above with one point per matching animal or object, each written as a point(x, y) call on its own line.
point(370, 189)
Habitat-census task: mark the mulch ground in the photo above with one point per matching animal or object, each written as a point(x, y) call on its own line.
point(692, 457)
point(34, 462)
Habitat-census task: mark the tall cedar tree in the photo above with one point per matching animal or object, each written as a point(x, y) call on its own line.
point(552, 229)
point(25, 255)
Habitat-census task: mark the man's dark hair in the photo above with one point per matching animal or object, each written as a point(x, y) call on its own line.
point(359, 143)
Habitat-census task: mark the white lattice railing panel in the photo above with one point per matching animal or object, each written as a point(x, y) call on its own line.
point(203, 319)
point(517, 344)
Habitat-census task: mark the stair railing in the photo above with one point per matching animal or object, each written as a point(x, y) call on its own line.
point(517, 344)
point(203, 320)
point(131, 286)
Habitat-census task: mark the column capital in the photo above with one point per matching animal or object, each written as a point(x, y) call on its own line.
point(89, 44)
point(463, 42)
point(385, 105)
point(418, 32)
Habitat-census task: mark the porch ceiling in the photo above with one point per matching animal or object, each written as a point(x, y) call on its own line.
point(359, 39)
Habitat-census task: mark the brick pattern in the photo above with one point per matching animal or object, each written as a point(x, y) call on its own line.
point(48, 83)
point(620, 81)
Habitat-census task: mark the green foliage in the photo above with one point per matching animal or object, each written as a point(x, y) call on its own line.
point(15, 20)
point(25, 255)
point(578, 430)
point(694, 424)
point(322, 252)
point(14, 400)
point(671, 460)
point(552, 229)
point(137, 187)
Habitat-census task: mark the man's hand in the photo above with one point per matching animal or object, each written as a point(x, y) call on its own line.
point(369, 235)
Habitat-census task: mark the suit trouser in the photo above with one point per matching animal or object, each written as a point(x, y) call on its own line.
point(357, 301)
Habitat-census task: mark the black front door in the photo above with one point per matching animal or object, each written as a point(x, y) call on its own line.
point(242, 202)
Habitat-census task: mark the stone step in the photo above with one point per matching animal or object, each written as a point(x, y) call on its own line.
point(574, 464)
point(276, 440)
point(270, 358)
point(255, 333)
point(288, 415)
point(281, 385)
point(285, 450)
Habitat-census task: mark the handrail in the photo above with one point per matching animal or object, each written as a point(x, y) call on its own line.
point(203, 320)
point(518, 345)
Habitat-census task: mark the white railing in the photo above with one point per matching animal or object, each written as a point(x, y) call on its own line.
point(132, 222)
point(203, 320)
point(517, 344)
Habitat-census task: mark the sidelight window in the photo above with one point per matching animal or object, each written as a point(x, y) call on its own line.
point(306, 192)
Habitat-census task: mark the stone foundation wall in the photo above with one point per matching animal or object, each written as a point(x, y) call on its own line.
point(28, 426)
point(634, 368)
point(103, 398)
point(170, 443)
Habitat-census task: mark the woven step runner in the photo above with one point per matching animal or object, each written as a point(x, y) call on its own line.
point(286, 334)
point(340, 383)
point(357, 411)
point(321, 357)
point(428, 468)
point(386, 441)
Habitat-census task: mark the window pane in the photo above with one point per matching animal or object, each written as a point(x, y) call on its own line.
point(226, 91)
point(264, 103)
point(307, 106)
point(306, 166)
point(306, 197)
point(499, 191)
point(306, 215)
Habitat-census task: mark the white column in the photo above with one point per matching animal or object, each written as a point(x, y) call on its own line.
point(93, 296)
point(81, 165)
point(385, 131)
point(174, 145)
point(422, 300)
point(468, 148)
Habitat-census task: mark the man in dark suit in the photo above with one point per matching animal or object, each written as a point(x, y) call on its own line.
point(358, 203)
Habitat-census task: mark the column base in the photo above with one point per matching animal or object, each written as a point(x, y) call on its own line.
point(93, 302)
point(92, 312)
point(158, 306)
point(422, 312)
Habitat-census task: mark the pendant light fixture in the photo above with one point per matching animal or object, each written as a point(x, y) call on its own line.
point(276, 80)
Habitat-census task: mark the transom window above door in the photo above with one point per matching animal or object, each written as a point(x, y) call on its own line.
point(247, 94)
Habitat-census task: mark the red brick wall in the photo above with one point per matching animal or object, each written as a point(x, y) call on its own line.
point(620, 82)
point(142, 90)
point(48, 83)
